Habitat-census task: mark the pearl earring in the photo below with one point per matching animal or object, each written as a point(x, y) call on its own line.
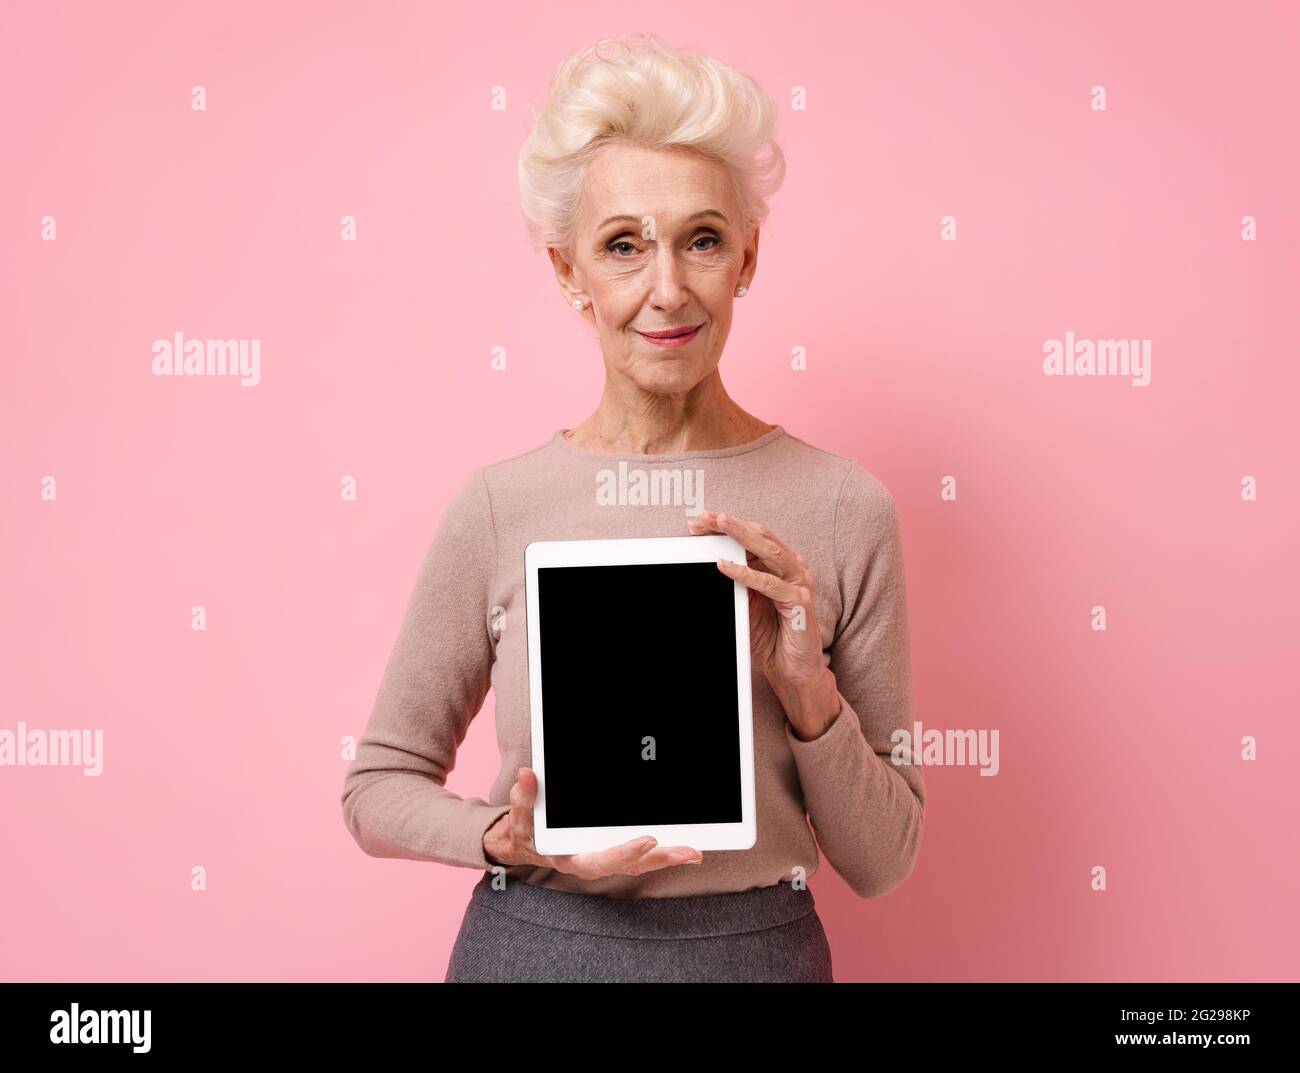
point(577, 303)
point(740, 291)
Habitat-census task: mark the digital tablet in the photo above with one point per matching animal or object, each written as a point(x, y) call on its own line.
point(639, 684)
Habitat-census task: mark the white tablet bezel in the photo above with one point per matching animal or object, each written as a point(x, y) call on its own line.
point(621, 552)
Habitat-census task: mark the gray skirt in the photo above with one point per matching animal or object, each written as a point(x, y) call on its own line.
point(527, 933)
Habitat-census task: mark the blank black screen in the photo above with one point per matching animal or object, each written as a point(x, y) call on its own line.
point(630, 652)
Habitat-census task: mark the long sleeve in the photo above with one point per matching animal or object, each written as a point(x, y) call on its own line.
point(394, 800)
point(868, 814)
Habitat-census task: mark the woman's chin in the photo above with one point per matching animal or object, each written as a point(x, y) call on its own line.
point(671, 378)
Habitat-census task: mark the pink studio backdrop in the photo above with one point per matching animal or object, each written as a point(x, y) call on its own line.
point(222, 748)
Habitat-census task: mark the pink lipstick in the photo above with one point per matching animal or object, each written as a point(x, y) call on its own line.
point(671, 337)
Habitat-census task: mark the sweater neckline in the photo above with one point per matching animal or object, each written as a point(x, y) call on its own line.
point(770, 436)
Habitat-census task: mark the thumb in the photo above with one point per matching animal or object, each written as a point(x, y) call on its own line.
point(526, 780)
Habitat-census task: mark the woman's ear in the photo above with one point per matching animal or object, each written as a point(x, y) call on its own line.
point(570, 285)
point(749, 264)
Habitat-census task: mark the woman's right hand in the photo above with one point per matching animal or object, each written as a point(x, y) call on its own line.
point(509, 841)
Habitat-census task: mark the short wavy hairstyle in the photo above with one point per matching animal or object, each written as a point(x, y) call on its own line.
point(635, 89)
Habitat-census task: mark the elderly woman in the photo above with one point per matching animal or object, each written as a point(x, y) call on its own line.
point(645, 177)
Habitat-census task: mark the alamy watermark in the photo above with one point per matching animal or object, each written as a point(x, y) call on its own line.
point(1101, 357)
point(76, 1025)
point(179, 356)
point(55, 748)
point(651, 488)
point(946, 748)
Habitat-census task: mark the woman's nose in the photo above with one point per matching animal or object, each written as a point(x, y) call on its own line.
point(668, 284)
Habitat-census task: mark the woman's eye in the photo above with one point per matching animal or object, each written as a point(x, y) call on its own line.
point(624, 248)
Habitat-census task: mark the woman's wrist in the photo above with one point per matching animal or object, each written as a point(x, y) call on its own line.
point(494, 847)
point(813, 709)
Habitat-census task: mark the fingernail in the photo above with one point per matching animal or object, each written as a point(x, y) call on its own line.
point(683, 858)
point(647, 843)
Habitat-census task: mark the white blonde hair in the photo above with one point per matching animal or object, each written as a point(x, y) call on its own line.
point(635, 89)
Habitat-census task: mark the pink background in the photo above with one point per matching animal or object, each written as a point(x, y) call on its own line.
point(222, 748)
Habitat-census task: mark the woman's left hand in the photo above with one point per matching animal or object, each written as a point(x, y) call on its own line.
point(783, 633)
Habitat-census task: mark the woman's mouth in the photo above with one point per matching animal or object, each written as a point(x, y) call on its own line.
point(671, 337)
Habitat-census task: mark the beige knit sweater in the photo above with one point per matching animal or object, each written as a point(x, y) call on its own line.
point(464, 633)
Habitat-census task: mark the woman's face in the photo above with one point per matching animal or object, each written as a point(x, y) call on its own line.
point(658, 248)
